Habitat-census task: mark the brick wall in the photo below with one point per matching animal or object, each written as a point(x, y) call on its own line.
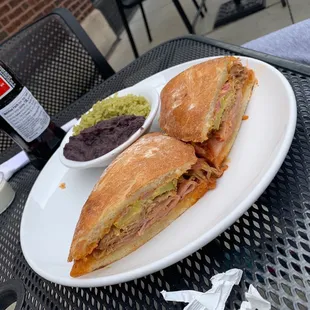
point(14, 14)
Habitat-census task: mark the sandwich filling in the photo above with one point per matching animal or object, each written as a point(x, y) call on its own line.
point(227, 115)
point(154, 206)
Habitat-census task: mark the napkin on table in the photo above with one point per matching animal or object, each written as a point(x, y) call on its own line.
point(216, 297)
point(255, 300)
point(20, 160)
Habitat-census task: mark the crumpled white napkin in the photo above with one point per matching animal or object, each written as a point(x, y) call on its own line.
point(255, 301)
point(20, 160)
point(216, 297)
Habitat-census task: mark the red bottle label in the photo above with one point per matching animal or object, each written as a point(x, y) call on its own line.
point(5, 87)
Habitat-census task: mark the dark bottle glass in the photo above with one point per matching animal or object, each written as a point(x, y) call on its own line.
point(25, 121)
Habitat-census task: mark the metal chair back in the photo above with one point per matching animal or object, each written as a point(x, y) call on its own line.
point(56, 60)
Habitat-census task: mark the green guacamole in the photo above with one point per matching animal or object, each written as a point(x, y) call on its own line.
point(137, 207)
point(113, 107)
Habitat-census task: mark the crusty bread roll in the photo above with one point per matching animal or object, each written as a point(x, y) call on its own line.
point(91, 262)
point(205, 104)
point(153, 160)
point(188, 100)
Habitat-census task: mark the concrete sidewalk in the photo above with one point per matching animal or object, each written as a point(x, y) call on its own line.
point(165, 23)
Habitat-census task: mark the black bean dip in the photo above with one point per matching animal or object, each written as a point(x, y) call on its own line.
point(102, 138)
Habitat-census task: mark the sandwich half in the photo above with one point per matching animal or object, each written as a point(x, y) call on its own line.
point(205, 104)
point(146, 188)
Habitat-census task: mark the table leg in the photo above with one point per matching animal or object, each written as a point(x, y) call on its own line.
point(205, 6)
point(183, 16)
point(125, 22)
point(145, 22)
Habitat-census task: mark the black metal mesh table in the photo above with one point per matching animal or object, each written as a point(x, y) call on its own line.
point(270, 242)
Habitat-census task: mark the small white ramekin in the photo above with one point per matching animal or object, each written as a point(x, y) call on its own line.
point(152, 97)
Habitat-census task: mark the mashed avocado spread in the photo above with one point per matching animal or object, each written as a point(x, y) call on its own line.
point(113, 107)
point(224, 103)
point(137, 207)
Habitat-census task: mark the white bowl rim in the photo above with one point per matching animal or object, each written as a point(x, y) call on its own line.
point(110, 155)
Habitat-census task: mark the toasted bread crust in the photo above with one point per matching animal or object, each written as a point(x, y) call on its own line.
point(188, 100)
point(144, 165)
point(91, 263)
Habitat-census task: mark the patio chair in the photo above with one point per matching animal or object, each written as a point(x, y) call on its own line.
point(129, 4)
point(56, 60)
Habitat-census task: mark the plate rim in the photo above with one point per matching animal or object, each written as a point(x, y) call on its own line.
point(210, 234)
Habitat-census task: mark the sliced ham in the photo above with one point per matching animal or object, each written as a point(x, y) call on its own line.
point(162, 207)
point(115, 238)
point(212, 149)
point(223, 92)
point(200, 163)
point(203, 169)
point(216, 144)
point(159, 211)
point(225, 88)
point(200, 150)
point(229, 123)
point(186, 187)
point(111, 241)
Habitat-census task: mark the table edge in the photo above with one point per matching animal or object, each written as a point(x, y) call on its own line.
point(273, 60)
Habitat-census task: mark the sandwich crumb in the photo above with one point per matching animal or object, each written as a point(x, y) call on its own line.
point(224, 167)
point(245, 117)
point(62, 185)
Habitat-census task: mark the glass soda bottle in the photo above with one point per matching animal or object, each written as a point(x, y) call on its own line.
point(25, 121)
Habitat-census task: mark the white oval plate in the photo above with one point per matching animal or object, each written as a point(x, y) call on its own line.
point(51, 213)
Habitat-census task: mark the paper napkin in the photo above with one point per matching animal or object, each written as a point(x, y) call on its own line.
point(216, 297)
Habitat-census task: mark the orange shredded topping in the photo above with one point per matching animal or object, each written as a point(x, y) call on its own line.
point(62, 185)
point(245, 117)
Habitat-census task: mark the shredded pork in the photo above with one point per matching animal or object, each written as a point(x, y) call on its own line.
point(159, 207)
point(239, 73)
